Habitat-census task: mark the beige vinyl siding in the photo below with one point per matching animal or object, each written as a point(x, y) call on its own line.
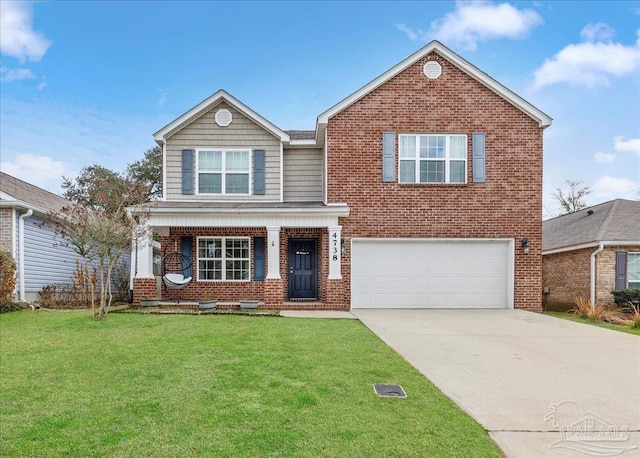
point(303, 175)
point(203, 132)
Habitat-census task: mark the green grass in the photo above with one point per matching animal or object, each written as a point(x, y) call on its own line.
point(615, 327)
point(157, 386)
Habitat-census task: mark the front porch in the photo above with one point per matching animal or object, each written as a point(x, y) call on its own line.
point(285, 257)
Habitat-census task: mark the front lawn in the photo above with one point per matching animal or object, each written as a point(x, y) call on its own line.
point(615, 327)
point(149, 385)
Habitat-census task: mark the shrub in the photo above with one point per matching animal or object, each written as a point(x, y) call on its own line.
point(7, 275)
point(623, 297)
point(62, 295)
point(9, 306)
point(599, 312)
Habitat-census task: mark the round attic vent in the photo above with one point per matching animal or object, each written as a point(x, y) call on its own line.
point(432, 69)
point(223, 117)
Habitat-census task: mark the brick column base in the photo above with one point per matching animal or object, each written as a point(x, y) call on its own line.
point(335, 295)
point(273, 293)
point(143, 288)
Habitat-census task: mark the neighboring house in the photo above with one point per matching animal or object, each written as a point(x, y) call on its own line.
point(40, 258)
point(589, 253)
point(422, 189)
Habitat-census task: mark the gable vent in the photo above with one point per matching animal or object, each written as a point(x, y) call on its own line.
point(432, 69)
point(223, 117)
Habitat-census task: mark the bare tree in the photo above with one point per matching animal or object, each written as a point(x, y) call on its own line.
point(574, 199)
point(97, 225)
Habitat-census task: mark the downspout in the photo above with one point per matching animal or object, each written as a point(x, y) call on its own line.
point(593, 274)
point(21, 219)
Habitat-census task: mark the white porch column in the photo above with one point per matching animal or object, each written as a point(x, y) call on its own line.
point(142, 254)
point(335, 252)
point(273, 253)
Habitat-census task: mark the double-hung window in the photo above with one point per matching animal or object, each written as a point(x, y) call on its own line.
point(433, 158)
point(223, 171)
point(223, 258)
point(633, 270)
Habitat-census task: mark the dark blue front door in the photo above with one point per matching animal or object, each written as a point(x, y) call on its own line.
point(303, 272)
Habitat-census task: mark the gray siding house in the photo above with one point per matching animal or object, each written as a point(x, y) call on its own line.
point(41, 256)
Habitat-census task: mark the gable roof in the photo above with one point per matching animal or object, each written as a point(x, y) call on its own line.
point(209, 103)
point(15, 193)
point(543, 119)
point(614, 221)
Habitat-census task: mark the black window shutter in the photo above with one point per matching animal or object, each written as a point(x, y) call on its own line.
point(388, 156)
point(478, 154)
point(621, 270)
point(258, 258)
point(259, 172)
point(187, 171)
point(187, 252)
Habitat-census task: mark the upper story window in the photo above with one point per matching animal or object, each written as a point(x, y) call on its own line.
point(433, 158)
point(222, 171)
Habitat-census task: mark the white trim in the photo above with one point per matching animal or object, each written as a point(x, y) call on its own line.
point(20, 204)
point(223, 172)
point(164, 171)
point(592, 282)
point(543, 119)
point(334, 210)
point(591, 245)
point(281, 173)
point(273, 253)
point(168, 130)
point(223, 259)
point(21, 271)
point(223, 112)
point(447, 159)
point(628, 254)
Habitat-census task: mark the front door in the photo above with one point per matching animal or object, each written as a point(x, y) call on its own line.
point(303, 272)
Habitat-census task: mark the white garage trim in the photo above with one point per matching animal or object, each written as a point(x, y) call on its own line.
point(419, 294)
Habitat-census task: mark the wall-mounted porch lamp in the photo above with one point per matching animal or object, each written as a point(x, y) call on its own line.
point(526, 248)
point(343, 246)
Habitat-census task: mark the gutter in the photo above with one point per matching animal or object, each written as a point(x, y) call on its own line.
point(21, 219)
point(593, 274)
point(591, 245)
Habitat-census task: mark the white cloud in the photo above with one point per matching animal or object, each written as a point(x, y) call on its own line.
point(42, 171)
point(163, 98)
point(614, 188)
point(475, 21)
point(8, 75)
point(590, 63)
point(627, 146)
point(604, 157)
point(599, 31)
point(42, 84)
point(413, 36)
point(17, 37)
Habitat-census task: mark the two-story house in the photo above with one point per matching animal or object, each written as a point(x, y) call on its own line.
point(421, 189)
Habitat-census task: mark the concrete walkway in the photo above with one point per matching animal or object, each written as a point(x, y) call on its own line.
point(509, 368)
point(317, 314)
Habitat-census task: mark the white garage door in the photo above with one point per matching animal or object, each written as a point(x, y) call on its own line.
point(431, 273)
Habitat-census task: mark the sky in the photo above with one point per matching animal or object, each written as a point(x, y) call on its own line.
point(89, 82)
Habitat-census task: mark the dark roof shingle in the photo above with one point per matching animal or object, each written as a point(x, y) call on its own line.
point(30, 194)
point(616, 220)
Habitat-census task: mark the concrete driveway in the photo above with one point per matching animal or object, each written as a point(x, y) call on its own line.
point(509, 368)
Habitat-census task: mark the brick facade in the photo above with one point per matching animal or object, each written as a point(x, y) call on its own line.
point(6, 230)
point(568, 276)
point(507, 205)
point(273, 293)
